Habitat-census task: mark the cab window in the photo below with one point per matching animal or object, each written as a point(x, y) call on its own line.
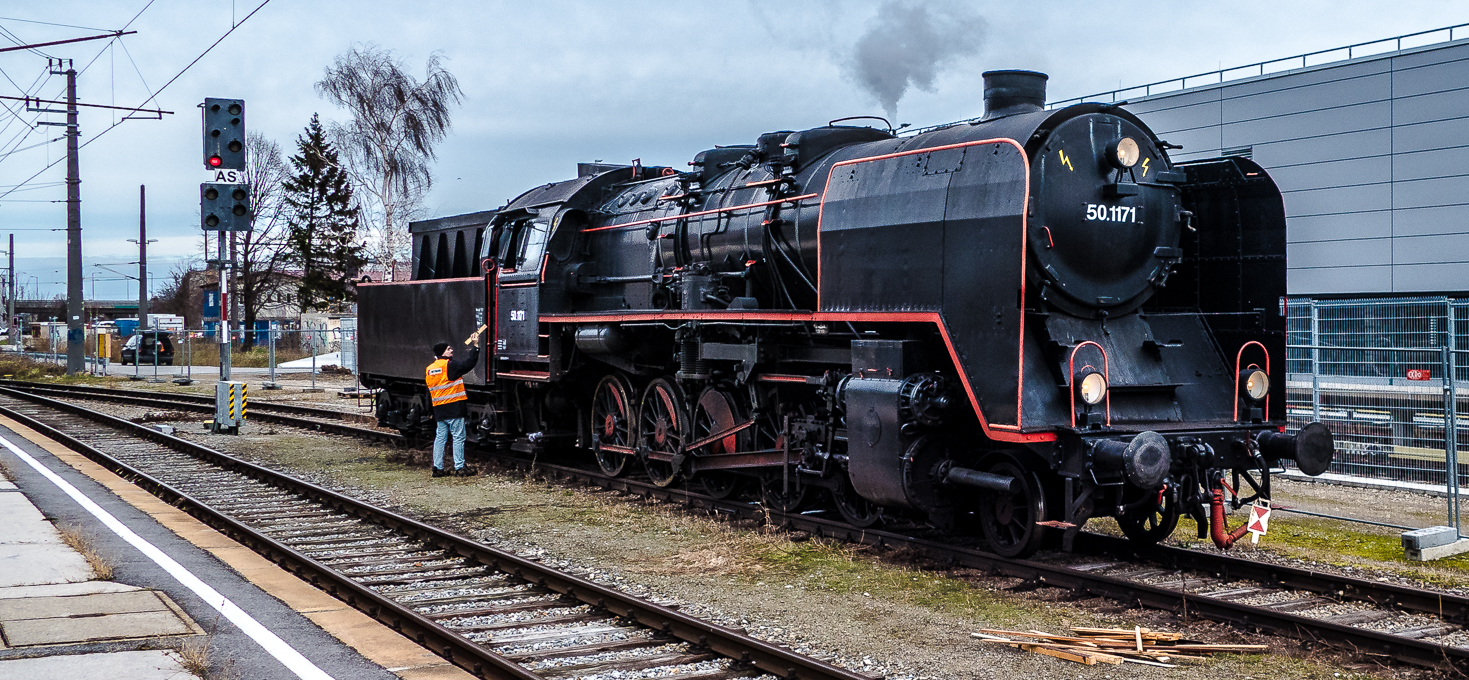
point(521, 242)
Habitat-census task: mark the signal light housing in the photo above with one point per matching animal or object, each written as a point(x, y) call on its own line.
point(224, 207)
point(224, 134)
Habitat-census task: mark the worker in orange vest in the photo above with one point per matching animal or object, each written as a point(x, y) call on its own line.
point(445, 378)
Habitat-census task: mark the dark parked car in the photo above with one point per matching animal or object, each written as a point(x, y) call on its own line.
point(151, 342)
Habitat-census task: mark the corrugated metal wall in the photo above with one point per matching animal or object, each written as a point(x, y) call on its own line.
point(1372, 155)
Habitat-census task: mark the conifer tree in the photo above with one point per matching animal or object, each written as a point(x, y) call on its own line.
point(322, 230)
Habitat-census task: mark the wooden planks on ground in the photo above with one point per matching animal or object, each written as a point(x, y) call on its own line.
point(1091, 646)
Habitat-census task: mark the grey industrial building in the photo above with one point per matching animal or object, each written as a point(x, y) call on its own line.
point(1370, 152)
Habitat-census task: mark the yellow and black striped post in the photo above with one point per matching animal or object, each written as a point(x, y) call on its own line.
point(231, 401)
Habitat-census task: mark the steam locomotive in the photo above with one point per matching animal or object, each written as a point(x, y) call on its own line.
point(1011, 325)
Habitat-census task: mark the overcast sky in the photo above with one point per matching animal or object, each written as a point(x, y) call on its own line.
point(548, 84)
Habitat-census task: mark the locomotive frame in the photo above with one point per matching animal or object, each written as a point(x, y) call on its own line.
point(1010, 326)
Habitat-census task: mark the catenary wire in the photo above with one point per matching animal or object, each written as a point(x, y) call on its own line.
point(149, 99)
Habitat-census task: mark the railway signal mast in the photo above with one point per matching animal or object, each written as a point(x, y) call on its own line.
point(224, 206)
point(224, 201)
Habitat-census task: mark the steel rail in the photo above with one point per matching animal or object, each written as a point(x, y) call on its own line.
point(454, 647)
point(295, 409)
point(259, 411)
point(1450, 607)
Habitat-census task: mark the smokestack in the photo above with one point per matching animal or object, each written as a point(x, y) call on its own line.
point(1010, 92)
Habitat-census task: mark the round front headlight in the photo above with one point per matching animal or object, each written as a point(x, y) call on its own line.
point(1254, 384)
point(1092, 388)
point(1123, 153)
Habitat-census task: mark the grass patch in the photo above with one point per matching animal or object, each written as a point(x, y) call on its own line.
point(85, 542)
point(204, 352)
point(196, 656)
point(19, 367)
point(828, 566)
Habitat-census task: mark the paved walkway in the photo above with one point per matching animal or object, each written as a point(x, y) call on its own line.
point(50, 599)
point(174, 582)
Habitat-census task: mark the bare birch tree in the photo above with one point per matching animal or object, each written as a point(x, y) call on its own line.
point(262, 248)
point(388, 145)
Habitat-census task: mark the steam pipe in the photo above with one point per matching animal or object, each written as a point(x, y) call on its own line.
point(1223, 539)
point(982, 480)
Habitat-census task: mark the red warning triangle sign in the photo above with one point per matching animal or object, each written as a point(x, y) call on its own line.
point(1259, 519)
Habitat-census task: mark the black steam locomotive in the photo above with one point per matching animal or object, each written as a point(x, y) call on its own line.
point(1018, 323)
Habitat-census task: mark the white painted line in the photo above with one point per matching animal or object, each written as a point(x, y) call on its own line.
point(287, 655)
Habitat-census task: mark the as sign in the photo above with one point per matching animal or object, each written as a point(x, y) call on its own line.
point(1419, 374)
point(223, 176)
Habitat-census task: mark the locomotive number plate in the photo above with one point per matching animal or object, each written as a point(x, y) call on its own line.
point(1110, 213)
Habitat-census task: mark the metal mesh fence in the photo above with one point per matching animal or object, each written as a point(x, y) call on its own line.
point(1378, 373)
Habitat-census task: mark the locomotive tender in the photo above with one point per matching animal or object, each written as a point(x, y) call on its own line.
point(1014, 324)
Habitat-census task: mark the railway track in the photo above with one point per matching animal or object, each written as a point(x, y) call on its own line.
point(307, 417)
point(490, 612)
point(1380, 620)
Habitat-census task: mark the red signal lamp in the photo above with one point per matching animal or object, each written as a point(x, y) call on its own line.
point(215, 161)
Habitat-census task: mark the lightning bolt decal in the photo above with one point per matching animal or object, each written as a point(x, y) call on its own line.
point(1145, 166)
point(1064, 160)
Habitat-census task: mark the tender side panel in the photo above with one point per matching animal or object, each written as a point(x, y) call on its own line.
point(400, 322)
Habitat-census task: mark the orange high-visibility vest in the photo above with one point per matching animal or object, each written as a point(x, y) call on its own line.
point(440, 389)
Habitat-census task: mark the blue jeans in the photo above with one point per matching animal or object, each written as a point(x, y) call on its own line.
point(446, 427)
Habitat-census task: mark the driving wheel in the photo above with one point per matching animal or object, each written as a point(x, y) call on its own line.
point(716, 412)
point(661, 430)
point(612, 423)
point(1009, 519)
point(858, 511)
point(1154, 523)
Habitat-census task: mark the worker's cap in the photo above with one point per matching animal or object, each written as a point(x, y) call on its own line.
point(439, 349)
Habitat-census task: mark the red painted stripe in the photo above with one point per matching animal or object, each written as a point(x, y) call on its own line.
point(1014, 435)
point(1237, 358)
point(781, 378)
point(420, 282)
point(681, 216)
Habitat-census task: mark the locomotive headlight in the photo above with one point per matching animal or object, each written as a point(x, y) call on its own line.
point(1123, 153)
point(1092, 388)
point(1254, 384)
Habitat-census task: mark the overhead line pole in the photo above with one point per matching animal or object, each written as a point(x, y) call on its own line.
point(76, 334)
point(143, 257)
point(10, 311)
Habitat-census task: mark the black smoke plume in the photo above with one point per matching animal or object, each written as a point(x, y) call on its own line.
point(907, 44)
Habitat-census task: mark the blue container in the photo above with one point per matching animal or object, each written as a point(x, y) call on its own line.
point(211, 304)
point(125, 327)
